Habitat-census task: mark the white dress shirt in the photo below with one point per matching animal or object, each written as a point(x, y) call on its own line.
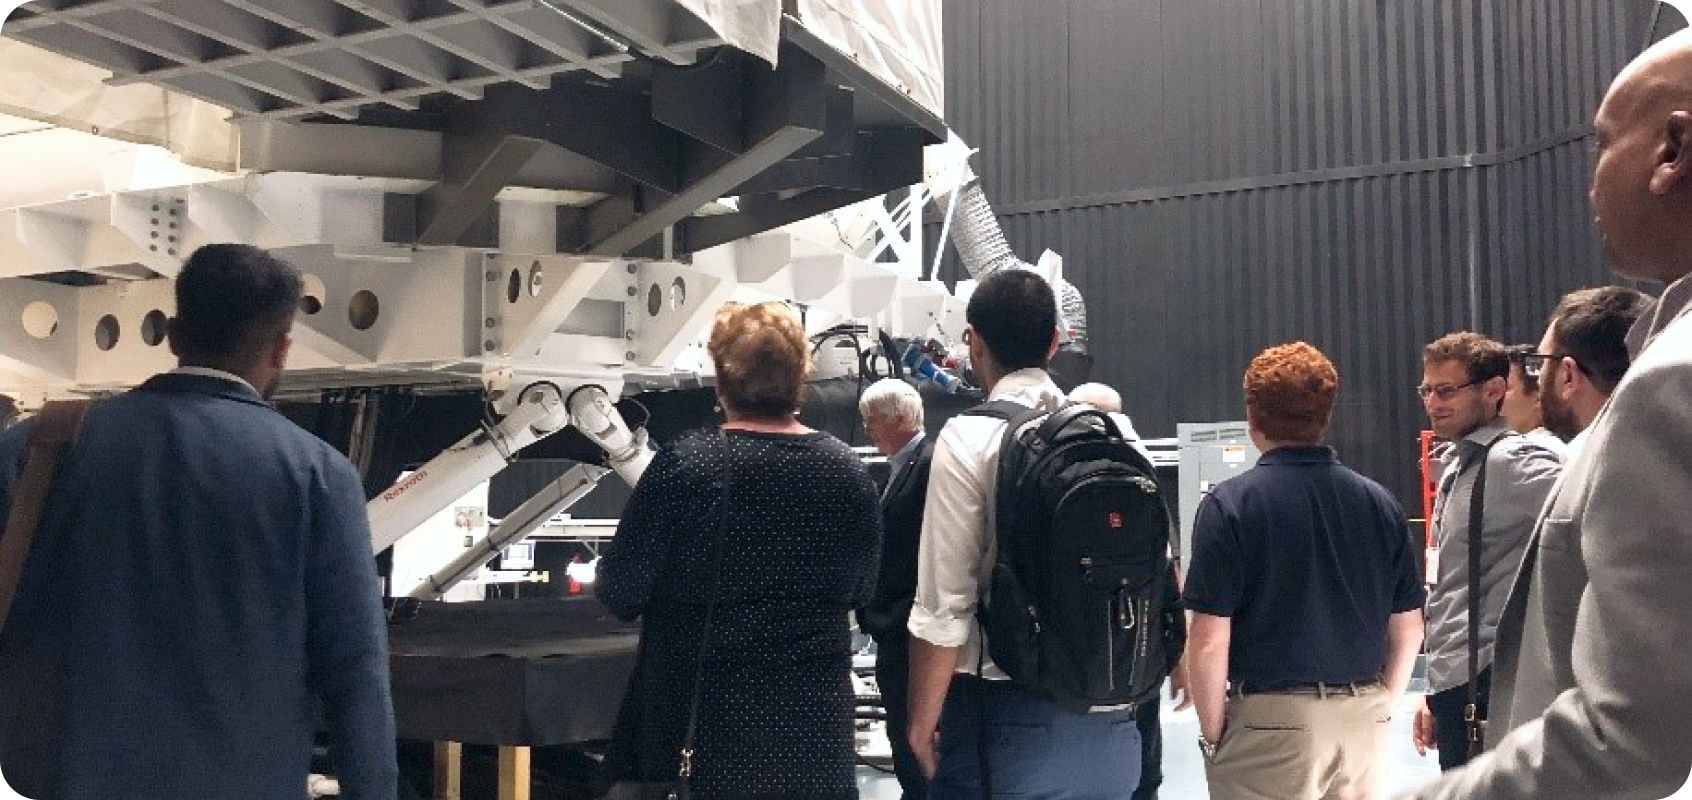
point(957, 551)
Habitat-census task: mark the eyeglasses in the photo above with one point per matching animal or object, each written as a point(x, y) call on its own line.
point(1533, 364)
point(1446, 391)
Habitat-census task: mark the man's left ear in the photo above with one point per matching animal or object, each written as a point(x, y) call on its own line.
point(1674, 156)
point(1051, 349)
point(1496, 386)
point(1568, 375)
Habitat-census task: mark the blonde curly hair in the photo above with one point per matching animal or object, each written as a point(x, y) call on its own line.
point(762, 359)
point(1290, 389)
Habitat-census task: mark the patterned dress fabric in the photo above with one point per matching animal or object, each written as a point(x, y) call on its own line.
point(803, 532)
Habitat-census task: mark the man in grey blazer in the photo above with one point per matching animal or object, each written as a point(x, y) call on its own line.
point(201, 579)
point(1593, 674)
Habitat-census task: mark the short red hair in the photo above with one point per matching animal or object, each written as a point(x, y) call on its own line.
point(1290, 390)
point(762, 358)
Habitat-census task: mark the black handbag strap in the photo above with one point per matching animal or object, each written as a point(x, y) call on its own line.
point(719, 546)
point(1477, 512)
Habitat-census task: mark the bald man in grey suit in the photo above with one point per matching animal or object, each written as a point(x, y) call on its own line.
point(1592, 692)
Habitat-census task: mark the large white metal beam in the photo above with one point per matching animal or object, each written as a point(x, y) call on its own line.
point(520, 312)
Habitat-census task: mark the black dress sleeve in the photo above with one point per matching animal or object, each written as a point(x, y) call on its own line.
point(635, 559)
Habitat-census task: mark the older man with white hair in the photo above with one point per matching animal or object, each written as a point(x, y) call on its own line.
point(892, 413)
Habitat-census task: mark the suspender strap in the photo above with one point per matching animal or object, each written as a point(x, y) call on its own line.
point(55, 432)
point(1472, 720)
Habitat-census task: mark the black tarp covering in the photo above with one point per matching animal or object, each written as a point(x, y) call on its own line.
point(510, 672)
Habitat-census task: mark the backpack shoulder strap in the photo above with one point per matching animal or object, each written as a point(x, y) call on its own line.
point(997, 409)
point(1015, 416)
point(1061, 418)
point(56, 430)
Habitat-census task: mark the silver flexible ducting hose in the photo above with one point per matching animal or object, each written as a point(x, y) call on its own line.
point(983, 249)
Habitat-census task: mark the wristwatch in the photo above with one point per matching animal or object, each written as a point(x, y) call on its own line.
point(1207, 748)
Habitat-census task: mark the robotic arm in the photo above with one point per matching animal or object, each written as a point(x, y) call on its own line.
point(400, 508)
point(626, 451)
point(541, 410)
point(562, 493)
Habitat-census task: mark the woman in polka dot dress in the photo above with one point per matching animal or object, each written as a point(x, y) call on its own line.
point(802, 535)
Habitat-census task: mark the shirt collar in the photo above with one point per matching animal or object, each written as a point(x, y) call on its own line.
point(911, 447)
point(1574, 446)
point(1299, 454)
point(1019, 381)
point(208, 372)
point(1676, 299)
point(906, 453)
point(1484, 435)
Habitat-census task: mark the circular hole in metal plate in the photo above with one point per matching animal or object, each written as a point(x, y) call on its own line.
point(678, 293)
point(654, 300)
point(363, 309)
point(312, 294)
point(153, 328)
point(536, 277)
point(40, 319)
point(514, 287)
point(106, 332)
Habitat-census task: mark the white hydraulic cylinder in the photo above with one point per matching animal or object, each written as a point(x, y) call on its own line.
point(593, 415)
point(399, 509)
point(562, 493)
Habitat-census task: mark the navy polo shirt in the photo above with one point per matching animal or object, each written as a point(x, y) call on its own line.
point(1309, 559)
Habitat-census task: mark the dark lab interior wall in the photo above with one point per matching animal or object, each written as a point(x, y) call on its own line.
point(1365, 175)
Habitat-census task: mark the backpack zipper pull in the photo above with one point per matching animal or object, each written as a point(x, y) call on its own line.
point(1128, 609)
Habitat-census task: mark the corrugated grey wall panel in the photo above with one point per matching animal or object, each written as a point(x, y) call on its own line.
point(1117, 112)
point(1363, 174)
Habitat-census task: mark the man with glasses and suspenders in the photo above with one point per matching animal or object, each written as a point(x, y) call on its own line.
point(1495, 481)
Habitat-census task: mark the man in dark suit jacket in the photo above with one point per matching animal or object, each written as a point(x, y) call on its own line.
point(892, 413)
point(201, 573)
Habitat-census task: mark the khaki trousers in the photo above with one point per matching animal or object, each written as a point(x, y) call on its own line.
point(1301, 746)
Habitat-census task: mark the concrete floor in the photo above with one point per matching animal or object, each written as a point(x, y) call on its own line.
point(1183, 769)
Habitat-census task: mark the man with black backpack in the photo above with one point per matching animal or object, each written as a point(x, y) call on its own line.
point(1306, 601)
point(1044, 608)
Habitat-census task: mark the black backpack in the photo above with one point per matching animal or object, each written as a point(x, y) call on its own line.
point(1082, 608)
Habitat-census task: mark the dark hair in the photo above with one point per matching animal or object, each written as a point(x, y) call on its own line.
point(1482, 357)
point(232, 301)
point(1015, 314)
point(1592, 324)
point(1518, 365)
point(1290, 389)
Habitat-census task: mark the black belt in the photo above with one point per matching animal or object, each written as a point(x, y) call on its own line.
point(976, 683)
point(1323, 690)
